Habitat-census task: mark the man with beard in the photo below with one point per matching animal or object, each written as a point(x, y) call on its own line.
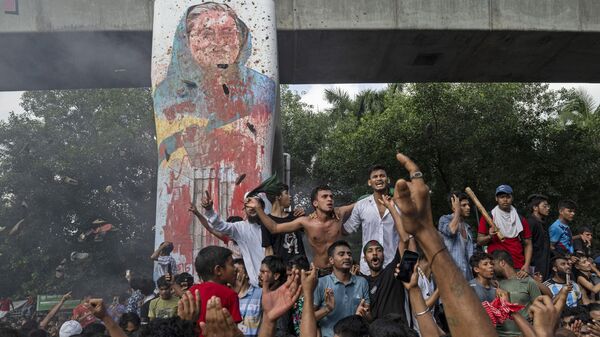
point(339, 294)
point(246, 233)
point(376, 221)
point(539, 207)
point(386, 293)
point(522, 291)
point(323, 227)
point(561, 268)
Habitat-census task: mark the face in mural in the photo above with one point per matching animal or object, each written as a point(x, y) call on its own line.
point(214, 37)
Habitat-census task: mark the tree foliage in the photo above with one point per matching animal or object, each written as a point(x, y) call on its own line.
point(73, 157)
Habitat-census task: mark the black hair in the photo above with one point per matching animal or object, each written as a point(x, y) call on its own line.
point(167, 249)
point(535, 200)
point(476, 258)
point(460, 195)
point(144, 285)
point(169, 327)
point(336, 244)
point(593, 307)
point(129, 317)
point(239, 260)
point(184, 277)
point(315, 191)
point(162, 282)
point(276, 266)
point(391, 327)
point(28, 326)
point(556, 258)
point(235, 218)
point(37, 333)
point(502, 255)
point(280, 187)
point(567, 203)
point(352, 326)
point(6, 331)
point(299, 261)
point(376, 167)
point(584, 229)
point(208, 258)
point(94, 328)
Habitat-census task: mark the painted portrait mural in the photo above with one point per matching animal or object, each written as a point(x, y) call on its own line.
point(214, 75)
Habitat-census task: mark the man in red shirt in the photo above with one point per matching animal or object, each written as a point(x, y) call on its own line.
point(83, 314)
point(214, 266)
point(514, 228)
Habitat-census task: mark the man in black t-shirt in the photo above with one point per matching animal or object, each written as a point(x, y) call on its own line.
point(387, 293)
point(540, 260)
point(284, 245)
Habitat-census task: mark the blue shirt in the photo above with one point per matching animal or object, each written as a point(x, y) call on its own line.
point(250, 309)
point(461, 249)
point(561, 237)
point(573, 297)
point(347, 298)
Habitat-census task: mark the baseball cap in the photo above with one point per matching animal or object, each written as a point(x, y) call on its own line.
point(371, 243)
point(70, 328)
point(504, 189)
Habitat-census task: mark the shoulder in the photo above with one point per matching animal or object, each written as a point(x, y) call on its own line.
point(445, 219)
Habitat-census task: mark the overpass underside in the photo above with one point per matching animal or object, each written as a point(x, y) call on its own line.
point(67, 60)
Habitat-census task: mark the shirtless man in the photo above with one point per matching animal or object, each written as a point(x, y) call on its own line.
point(323, 227)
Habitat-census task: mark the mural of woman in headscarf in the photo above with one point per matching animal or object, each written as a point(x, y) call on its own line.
point(211, 110)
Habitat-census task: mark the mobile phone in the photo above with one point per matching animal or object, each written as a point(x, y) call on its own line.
point(407, 265)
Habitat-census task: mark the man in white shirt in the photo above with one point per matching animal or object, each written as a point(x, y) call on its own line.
point(246, 233)
point(376, 220)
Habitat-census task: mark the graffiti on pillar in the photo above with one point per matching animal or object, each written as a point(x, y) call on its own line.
point(214, 75)
point(11, 7)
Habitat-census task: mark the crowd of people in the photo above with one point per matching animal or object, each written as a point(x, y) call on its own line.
point(293, 274)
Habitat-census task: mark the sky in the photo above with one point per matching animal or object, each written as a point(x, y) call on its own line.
point(311, 94)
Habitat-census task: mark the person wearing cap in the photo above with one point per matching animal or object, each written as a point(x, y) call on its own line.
point(514, 229)
point(247, 233)
point(374, 218)
point(70, 328)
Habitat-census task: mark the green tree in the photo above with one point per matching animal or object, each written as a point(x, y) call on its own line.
point(580, 108)
point(73, 157)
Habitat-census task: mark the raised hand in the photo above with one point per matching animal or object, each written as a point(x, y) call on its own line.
point(252, 202)
point(276, 303)
point(386, 201)
point(362, 309)
point(193, 209)
point(309, 279)
point(544, 315)
point(455, 204)
point(66, 297)
point(412, 198)
point(503, 294)
point(329, 299)
point(218, 321)
point(188, 307)
point(414, 277)
point(299, 211)
point(97, 308)
point(207, 202)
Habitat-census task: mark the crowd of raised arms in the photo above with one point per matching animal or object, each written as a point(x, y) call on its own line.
point(291, 274)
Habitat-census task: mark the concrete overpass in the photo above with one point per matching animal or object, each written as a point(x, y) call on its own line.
point(107, 43)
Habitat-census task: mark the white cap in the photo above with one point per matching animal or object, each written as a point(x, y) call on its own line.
point(70, 328)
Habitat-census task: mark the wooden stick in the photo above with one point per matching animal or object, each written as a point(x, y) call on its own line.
point(484, 212)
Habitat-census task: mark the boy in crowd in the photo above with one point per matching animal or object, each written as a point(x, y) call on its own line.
point(561, 237)
point(214, 266)
point(482, 265)
point(250, 301)
point(540, 260)
point(457, 232)
point(164, 262)
point(165, 306)
point(284, 245)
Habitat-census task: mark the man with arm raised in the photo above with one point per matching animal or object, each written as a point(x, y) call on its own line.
point(323, 227)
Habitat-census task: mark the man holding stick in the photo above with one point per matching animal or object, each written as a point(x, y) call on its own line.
point(508, 231)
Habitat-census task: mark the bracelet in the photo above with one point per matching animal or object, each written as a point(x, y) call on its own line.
point(435, 255)
point(409, 238)
point(422, 313)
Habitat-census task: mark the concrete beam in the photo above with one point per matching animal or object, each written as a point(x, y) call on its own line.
point(90, 44)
